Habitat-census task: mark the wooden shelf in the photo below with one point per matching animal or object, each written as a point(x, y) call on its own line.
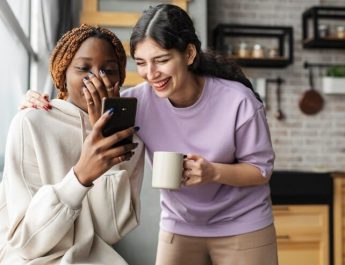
point(312, 18)
point(282, 35)
point(110, 19)
point(325, 43)
point(277, 62)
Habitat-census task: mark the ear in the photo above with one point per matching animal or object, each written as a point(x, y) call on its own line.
point(190, 53)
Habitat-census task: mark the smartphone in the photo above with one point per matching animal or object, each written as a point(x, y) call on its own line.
point(123, 117)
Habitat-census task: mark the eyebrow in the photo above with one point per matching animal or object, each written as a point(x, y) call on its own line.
point(90, 59)
point(156, 57)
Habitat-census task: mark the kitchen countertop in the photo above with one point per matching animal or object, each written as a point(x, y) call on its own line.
point(298, 187)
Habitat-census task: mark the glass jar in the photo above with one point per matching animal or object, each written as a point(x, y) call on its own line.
point(230, 50)
point(340, 32)
point(243, 50)
point(258, 51)
point(323, 31)
point(273, 52)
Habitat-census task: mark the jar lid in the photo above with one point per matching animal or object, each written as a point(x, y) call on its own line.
point(243, 44)
point(323, 26)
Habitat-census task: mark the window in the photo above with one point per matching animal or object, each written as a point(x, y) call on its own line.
point(14, 67)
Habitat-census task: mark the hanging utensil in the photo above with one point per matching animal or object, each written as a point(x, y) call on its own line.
point(311, 101)
point(279, 113)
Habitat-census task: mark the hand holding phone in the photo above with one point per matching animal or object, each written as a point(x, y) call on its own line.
point(123, 116)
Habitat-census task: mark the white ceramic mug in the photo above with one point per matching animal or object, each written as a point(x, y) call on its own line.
point(167, 170)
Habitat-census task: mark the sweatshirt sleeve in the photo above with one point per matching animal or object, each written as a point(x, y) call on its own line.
point(116, 198)
point(253, 143)
point(38, 218)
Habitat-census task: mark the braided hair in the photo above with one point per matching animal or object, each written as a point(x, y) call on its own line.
point(69, 44)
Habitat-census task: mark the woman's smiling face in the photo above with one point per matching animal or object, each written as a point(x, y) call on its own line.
point(93, 55)
point(165, 70)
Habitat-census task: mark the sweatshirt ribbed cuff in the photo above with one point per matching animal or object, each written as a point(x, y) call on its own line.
point(70, 191)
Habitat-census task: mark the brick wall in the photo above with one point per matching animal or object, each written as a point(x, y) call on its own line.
point(301, 142)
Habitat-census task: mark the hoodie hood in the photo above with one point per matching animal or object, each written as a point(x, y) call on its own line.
point(74, 113)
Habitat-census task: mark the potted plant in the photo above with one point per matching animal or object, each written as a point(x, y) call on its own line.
point(334, 81)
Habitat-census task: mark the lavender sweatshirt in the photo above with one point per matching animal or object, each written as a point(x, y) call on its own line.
point(226, 125)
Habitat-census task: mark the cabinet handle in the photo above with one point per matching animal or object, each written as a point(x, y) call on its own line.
point(283, 237)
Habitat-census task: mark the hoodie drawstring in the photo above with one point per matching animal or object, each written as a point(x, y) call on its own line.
point(83, 127)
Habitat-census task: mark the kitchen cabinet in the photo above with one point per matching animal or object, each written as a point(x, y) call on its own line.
point(339, 217)
point(303, 217)
point(324, 27)
point(302, 234)
point(255, 46)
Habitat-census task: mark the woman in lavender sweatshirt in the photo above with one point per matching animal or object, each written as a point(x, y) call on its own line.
point(201, 104)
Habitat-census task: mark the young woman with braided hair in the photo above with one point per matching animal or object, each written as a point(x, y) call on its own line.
point(202, 105)
point(67, 194)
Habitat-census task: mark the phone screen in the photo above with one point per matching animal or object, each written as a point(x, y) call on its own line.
point(122, 118)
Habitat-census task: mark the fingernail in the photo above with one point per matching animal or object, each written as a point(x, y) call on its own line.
point(90, 74)
point(129, 156)
point(47, 106)
point(111, 111)
point(101, 72)
point(85, 79)
point(136, 128)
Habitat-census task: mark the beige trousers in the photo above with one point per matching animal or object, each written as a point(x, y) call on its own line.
point(254, 248)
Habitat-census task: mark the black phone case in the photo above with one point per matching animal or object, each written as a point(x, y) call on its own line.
point(123, 117)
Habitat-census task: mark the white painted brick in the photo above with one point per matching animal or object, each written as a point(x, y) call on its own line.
point(301, 142)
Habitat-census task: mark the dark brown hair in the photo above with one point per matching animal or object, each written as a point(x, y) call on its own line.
point(69, 44)
point(172, 28)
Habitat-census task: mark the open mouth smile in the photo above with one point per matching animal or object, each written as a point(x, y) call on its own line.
point(159, 86)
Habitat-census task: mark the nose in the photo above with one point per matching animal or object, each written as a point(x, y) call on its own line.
point(152, 72)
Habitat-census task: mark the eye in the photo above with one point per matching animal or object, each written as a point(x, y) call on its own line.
point(162, 61)
point(82, 68)
point(110, 71)
point(139, 63)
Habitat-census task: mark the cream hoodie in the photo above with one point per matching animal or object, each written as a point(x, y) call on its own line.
point(46, 215)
